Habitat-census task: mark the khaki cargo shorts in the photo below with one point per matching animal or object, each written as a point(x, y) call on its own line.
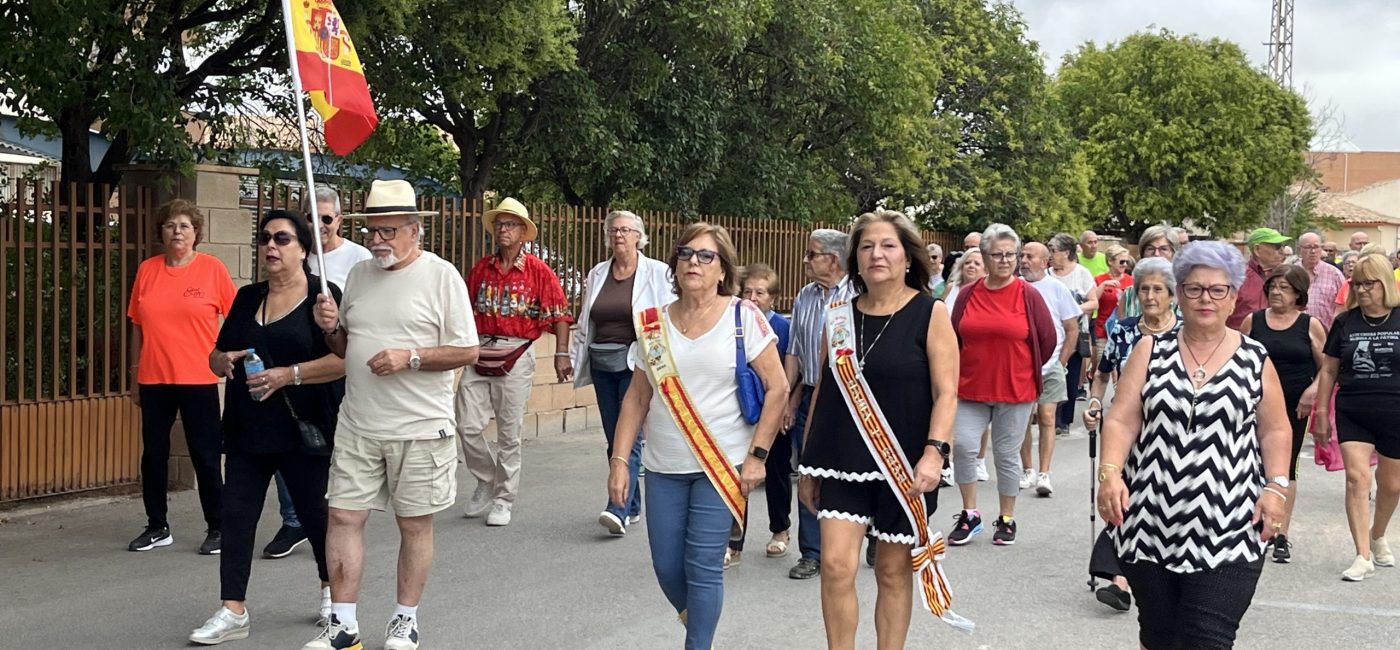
point(418, 477)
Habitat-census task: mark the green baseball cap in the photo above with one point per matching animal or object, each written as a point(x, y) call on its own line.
point(1266, 236)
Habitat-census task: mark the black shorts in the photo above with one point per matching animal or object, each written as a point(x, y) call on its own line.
point(1199, 610)
point(872, 503)
point(1363, 420)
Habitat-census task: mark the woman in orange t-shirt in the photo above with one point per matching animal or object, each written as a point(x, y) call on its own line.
point(176, 304)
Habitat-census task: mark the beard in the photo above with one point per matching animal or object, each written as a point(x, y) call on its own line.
point(384, 261)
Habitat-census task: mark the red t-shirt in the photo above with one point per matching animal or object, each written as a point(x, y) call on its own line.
point(522, 301)
point(178, 310)
point(996, 352)
point(1108, 301)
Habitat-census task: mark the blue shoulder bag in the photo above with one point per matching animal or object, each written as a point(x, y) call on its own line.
point(750, 386)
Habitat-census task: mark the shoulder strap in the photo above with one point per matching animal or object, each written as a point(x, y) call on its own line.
point(741, 360)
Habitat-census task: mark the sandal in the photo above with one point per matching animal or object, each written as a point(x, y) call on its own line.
point(778, 547)
point(732, 558)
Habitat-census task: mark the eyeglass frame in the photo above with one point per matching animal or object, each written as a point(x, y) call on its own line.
point(326, 219)
point(370, 231)
point(282, 237)
point(1186, 289)
point(686, 253)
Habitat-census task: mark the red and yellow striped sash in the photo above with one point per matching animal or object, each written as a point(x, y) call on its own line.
point(929, 548)
point(651, 334)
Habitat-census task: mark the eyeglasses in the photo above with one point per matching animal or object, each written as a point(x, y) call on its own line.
point(325, 218)
point(1364, 285)
point(282, 237)
point(173, 226)
point(613, 232)
point(811, 255)
point(507, 225)
point(1002, 257)
point(385, 233)
point(703, 255)
point(1216, 291)
point(1150, 251)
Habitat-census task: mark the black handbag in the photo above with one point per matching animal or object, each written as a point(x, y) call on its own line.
point(312, 440)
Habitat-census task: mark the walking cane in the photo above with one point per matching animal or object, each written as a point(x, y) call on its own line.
point(1093, 489)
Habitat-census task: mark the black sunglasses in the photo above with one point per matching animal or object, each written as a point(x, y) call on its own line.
point(705, 256)
point(282, 237)
point(325, 218)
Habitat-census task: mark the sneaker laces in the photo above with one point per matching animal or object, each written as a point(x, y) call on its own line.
point(400, 627)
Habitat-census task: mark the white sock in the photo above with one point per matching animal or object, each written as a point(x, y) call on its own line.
point(239, 617)
point(405, 611)
point(973, 513)
point(345, 613)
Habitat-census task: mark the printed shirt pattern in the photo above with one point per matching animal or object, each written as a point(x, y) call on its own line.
point(522, 301)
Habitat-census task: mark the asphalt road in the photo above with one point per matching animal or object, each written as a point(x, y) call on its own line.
point(553, 580)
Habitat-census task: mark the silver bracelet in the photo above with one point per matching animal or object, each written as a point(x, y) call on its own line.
point(1280, 494)
point(296, 375)
point(561, 354)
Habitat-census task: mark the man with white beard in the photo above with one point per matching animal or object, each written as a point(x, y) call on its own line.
point(403, 326)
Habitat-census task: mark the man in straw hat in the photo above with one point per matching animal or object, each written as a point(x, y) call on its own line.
point(517, 298)
point(403, 326)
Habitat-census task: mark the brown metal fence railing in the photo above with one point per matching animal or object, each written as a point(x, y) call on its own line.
point(70, 253)
point(572, 241)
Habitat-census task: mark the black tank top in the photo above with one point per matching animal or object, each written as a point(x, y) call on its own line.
point(1290, 349)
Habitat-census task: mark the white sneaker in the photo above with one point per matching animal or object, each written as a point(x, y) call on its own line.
point(633, 519)
point(1027, 479)
point(1380, 553)
point(323, 615)
point(614, 525)
point(480, 502)
point(224, 625)
point(1042, 485)
point(335, 636)
point(500, 515)
point(947, 478)
point(982, 469)
point(401, 634)
point(1361, 568)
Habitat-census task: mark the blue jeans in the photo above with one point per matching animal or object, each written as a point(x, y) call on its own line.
point(284, 504)
point(687, 529)
point(610, 387)
point(809, 531)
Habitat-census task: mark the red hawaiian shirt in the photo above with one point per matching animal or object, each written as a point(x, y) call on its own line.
point(522, 300)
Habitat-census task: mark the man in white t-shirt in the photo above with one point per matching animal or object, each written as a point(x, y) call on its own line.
point(403, 326)
point(1035, 262)
point(1065, 267)
point(340, 253)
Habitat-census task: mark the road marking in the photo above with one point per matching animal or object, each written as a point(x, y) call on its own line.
point(1333, 609)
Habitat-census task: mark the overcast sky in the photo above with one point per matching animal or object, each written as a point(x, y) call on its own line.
point(1346, 52)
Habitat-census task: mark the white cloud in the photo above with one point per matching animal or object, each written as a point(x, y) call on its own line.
point(1344, 52)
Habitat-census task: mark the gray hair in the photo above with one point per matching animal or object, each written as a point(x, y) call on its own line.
point(1160, 231)
point(1216, 255)
point(934, 248)
point(833, 242)
point(999, 231)
point(636, 223)
point(1062, 242)
point(1348, 255)
point(323, 194)
point(1157, 266)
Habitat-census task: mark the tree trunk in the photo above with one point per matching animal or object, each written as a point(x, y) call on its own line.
point(75, 165)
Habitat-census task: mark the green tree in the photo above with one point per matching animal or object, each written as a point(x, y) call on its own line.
point(470, 69)
point(138, 70)
point(1177, 128)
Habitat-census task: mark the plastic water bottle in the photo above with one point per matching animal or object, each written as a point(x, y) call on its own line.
point(252, 365)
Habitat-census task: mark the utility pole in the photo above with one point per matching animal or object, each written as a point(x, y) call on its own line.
point(1281, 43)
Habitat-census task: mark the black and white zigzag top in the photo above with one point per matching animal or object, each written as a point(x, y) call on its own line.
point(1195, 473)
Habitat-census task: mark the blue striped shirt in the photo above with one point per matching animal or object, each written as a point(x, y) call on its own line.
point(808, 323)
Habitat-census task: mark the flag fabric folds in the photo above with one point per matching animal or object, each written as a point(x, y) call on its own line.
point(330, 71)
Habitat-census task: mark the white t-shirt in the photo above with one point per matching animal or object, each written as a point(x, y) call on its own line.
point(423, 305)
point(339, 261)
point(1062, 307)
point(706, 367)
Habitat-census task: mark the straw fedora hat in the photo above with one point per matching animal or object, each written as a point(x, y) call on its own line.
point(389, 198)
point(515, 209)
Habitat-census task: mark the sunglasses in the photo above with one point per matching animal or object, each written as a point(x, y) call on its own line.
point(282, 237)
point(704, 256)
point(325, 218)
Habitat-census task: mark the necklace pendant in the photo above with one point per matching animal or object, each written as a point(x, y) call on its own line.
point(1199, 375)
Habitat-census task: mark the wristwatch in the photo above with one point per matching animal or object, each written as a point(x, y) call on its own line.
point(760, 453)
point(1282, 481)
point(414, 361)
point(943, 448)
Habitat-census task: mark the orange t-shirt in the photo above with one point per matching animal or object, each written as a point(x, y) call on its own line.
point(178, 312)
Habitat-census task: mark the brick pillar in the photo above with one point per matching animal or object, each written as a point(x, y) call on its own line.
point(228, 235)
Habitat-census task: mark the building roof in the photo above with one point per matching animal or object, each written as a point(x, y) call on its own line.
point(1344, 171)
point(1336, 205)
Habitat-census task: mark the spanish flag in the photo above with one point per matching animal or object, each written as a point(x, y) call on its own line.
point(331, 72)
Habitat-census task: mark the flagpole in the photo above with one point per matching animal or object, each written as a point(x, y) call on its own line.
point(305, 142)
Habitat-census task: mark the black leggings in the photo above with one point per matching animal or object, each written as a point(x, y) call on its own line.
point(1199, 610)
point(244, 494)
point(198, 406)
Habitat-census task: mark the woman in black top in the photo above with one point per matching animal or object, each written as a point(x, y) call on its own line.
point(907, 352)
point(261, 435)
point(1363, 356)
point(1294, 341)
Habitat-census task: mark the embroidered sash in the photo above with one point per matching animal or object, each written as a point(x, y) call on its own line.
point(929, 548)
point(651, 334)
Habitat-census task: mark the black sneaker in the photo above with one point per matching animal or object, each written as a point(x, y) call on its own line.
point(151, 538)
point(1006, 531)
point(965, 527)
point(212, 543)
point(1282, 549)
point(287, 539)
point(1115, 597)
point(870, 551)
point(806, 569)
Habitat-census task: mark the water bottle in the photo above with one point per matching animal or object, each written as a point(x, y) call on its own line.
point(253, 364)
